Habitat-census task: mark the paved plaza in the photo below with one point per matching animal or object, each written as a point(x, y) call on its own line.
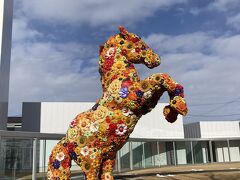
point(218, 171)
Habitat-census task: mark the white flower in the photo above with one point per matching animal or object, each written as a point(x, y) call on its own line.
point(126, 111)
point(110, 52)
point(94, 127)
point(85, 151)
point(121, 129)
point(147, 95)
point(60, 156)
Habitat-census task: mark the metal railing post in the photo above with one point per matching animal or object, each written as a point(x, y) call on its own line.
point(143, 156)
point(44, 158)
point(191, 144)
point(34, 162)
point(158, 152)
point(131, 155)
point(119, 161)
point(229, 154)
point(174, 153)
point(211, 151)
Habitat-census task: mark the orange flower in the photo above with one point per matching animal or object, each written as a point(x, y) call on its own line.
point(132, 96)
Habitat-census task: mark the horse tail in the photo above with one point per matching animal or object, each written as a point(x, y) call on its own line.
point(59, 163)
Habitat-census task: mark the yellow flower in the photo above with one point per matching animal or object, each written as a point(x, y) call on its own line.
point(114, 87)
point(144, 53)
point(72, 134)
point(100, 113)
point(86, 166)
point(129, 121)
point(158, 77)
point(117, 113)
point(118, 66)
point(84, 123)
point(81, 141)
point(77, 150)
point(144, 86)
point(118, 99)
point(102, 127)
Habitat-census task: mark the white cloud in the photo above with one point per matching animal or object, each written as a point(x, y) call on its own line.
point(207, 66)
point(180, 43)
point(223, 5)
point(21, 31)
point(93, 12)
point(234, 21)
point(48, 71)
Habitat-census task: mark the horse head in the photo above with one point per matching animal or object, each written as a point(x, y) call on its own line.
point(132, 47)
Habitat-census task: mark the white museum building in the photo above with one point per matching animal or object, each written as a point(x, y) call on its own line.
point(154, 141)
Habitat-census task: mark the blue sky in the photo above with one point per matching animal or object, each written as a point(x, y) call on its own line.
point(55, 49)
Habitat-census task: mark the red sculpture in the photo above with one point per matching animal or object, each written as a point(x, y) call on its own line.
point(95, 136)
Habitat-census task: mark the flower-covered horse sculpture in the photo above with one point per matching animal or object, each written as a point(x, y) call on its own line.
point(95, 136)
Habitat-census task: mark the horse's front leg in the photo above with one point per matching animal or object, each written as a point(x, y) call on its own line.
point(156, 84)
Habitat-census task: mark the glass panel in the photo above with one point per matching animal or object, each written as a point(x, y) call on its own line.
point(137, 148)
point(162, 153)
point(234, 146)
point(125, 157)
point(188, 152)
point(201, 152)
point(15, 158)
point(170, 153)
point(220, 151)
point(181, 154)
point(155, 154)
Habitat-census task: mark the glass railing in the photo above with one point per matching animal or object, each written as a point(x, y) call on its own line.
point(24, 155)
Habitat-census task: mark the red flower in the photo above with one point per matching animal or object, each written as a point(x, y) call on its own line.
point(137, 49)
point(70, 147)
point(126, 83)
point(108, 120)
point(112, 128)
point(114, 77)
point(96, 143)
point(120, 122)
point(135, 39)
point(124, 52)
point(65, 163)
point(50, 159)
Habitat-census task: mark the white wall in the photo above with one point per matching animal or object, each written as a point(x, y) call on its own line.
point(55, 117)
point(212, 129)
point(219, 129)
point(154, 125)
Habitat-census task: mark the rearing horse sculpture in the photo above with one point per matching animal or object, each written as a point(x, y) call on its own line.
point(95, 136)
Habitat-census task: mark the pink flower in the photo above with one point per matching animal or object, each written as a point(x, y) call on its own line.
point(73, 123)
point(121, 129)
point(60, 156)
point(85, 151)
point(126, 111)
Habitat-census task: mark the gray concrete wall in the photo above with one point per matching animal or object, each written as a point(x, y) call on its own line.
point(31, 116)
point(6, 14)
point(192, 130)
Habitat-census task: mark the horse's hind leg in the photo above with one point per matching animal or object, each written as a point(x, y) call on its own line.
point(59, 162)
point(89, 166)
point(107, 168)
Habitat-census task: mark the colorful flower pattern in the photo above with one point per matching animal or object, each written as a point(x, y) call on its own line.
point(94, 136)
